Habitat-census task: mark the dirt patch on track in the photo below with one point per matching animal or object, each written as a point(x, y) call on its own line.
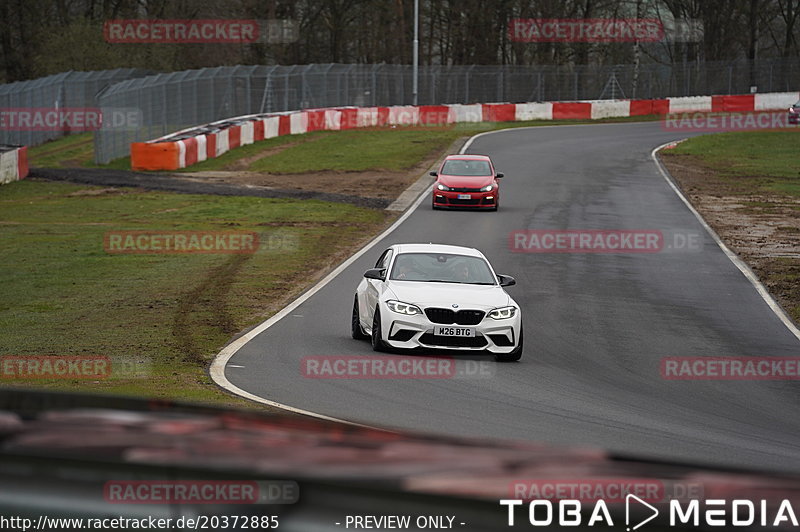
point(762, 228)
point(380, 185)
point(375, 189)
point(192, 185)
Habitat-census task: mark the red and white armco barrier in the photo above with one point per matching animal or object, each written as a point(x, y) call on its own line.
point(194, 145)
point(13, 163)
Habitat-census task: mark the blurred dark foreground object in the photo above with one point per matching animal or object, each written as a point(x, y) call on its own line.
point(61, 452)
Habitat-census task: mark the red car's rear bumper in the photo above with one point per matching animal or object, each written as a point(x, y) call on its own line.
point(476, 200)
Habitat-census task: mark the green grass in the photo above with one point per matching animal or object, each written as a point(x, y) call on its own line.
point(752, 159)
point(123, 163)
point(165, 315)
point(78, 149)
point(249, 150)
point(350, 150)
point(359, 150)
point(69, 152)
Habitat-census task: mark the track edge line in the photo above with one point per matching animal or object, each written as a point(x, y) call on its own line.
point(733, 257)
point(217, 369)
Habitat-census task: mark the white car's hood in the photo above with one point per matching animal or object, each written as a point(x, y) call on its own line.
point(427, 294)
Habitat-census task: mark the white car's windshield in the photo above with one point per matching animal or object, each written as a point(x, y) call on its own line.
point(441, 267)
point(466, 168)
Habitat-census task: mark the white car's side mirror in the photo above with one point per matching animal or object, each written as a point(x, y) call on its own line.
point(506, 280)
point(375, 273)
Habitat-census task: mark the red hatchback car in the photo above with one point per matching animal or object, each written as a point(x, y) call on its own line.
point(466, 181)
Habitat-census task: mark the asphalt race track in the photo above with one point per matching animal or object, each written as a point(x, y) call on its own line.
point(596, 325)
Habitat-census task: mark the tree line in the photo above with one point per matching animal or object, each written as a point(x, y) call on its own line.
point(42, 37)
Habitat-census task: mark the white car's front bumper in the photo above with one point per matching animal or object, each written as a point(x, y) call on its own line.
point(408, 332)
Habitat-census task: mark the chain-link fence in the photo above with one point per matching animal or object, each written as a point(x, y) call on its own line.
point(68, 90)
point(169, 102)
point(153, 105)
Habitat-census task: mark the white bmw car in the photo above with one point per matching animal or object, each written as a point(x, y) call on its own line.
point(438, 297)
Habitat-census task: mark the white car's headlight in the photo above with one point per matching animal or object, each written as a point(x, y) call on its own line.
point(487, 188)
point(403, 308)
point(442, 187)
point(503, 313)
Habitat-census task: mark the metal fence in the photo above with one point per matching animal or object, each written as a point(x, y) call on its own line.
point(59, 91)
point(169, 102)
point(158, 104)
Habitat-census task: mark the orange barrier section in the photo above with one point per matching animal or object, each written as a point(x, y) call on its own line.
point(154, 156)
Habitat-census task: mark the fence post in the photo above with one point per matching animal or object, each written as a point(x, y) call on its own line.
point(499, 97)
point(730, 79)
point(374, 85)
point(539, 86)
point(575, 85)
point(468, 76)
point(286, 92)
point(433, 85)
point(770, 77)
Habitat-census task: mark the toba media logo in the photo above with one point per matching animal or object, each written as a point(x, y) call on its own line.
point(639, 512)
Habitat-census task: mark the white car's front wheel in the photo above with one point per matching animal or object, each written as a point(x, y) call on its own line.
point(355, 323)
point(376, 338)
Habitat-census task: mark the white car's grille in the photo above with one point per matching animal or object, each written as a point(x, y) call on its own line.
point(461, 317)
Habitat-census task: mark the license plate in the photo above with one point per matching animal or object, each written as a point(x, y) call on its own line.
point(463, 332)
point(465, 196)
